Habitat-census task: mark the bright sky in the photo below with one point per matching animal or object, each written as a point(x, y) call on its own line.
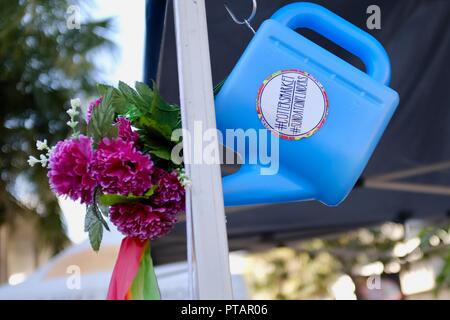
point(129, 34)
point(126, 65)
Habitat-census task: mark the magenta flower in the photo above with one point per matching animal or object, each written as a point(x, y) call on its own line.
point(169, 196)
point(91, 106)
point(120, 169)
point(141, 221)
point(125, 131)
point(69, 170)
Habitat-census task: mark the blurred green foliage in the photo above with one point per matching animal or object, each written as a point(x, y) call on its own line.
point(42, 65)
point(308, 269)
point(289, 274)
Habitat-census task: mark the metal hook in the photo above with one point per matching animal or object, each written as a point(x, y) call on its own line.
point(245, 21)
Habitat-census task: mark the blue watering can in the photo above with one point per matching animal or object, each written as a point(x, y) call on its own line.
point(327, 114)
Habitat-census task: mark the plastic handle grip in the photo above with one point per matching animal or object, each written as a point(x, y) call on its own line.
point(340, 31)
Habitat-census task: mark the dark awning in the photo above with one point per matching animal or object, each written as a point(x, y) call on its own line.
point(416, 35)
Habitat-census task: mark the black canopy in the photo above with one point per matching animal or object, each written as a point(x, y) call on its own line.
point(416, 35)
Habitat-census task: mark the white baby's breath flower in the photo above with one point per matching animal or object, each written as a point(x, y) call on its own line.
point(42, 145)
point(44, 160)
point(75, 103)
point(72, 124)
point(186, 182)
point(32, 161)
point(72, 113)
point(183, 178)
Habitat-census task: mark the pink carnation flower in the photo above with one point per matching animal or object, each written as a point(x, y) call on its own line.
point(69, 172)
point(120, 169)
point(91, 106)
point(169, 196)
point(126, 133)
point(141, 221)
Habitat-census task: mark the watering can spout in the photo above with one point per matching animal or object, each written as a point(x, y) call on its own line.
point(248, 186)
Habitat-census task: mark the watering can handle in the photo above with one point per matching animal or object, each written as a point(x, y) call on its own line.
point(340, 31)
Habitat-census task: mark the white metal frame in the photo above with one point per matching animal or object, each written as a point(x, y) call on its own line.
point(205, 214)
point(390, 181)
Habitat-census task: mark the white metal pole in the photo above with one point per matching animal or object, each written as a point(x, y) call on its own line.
point(209, 241)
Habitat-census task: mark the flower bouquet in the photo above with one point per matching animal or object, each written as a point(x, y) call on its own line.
point(118, 163)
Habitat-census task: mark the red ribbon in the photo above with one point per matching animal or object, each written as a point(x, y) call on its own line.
point(127, 265)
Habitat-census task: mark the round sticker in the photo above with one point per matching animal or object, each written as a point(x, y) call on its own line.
point(292, 104)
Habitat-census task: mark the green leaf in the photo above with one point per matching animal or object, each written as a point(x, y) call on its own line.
point(103, 88)
point(164, 117)
point(113, 199)
point(163, 106)
point(82, 126)
point(89, 219)
point(144, 91)
point(148, 111)
point(95, 210)
point(94, 227)
point(104, 210)
point(118, 101)
point(101, 123)
point(95, 236)
point(131, 95)
point(161, 152)
point(151, 191)
point(153, 117)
